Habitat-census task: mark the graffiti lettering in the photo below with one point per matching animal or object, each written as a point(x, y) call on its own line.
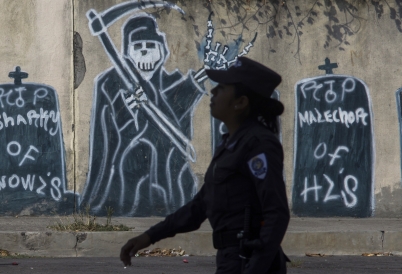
point(28, 183)
point(348, 85)
point(13, 152)
point(347, 194)
point(40, 119)
point(328, 196)
point(18, 96)
point(324, 151)
point(336, 155)
point(18, 150)
point(333, 116)
point(56, 182)
point(307, 189)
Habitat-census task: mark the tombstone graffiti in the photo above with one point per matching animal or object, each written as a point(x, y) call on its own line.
point(32, 170)
point(334, 147)
point(141, 124)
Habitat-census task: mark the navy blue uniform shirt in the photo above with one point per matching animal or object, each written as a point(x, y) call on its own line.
point(246, 167)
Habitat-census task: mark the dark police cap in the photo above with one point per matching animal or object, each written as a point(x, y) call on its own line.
point(255, 76)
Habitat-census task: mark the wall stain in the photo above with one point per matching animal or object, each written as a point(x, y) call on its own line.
point(79, 61)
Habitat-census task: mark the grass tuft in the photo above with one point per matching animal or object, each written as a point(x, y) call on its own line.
point(5, 254)
point(86, 222)
point(295, 263)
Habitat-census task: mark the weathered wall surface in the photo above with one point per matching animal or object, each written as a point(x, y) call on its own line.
point(340, 129)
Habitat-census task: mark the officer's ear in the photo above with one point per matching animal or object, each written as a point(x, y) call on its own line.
point(242, 103)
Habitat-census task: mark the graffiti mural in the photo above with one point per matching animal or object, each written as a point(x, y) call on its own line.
point(141, 125)
point(32, 170)
point(334, 147)
point(141, 129)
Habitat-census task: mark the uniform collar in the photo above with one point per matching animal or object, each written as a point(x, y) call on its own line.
point(230, 142)
point(239, 133)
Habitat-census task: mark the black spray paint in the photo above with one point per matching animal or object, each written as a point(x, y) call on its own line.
point(141, 124)
point(334, 148)
point(32, 169)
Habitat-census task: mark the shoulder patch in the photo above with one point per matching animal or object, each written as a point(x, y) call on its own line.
point(258, 166)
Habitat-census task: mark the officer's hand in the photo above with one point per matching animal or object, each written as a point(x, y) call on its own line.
point(132, 246)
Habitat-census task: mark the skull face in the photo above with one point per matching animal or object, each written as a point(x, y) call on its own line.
point(146, 56)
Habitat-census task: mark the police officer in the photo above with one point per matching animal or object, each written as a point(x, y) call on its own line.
point(244, 195)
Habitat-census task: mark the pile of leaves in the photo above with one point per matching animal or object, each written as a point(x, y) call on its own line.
point(315, 255)
point(158, 252)
point(377, 254)
point(4, 253)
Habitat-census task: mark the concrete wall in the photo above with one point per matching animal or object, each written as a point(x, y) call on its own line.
point(346, 162)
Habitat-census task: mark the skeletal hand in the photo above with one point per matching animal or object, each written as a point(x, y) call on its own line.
point(215, 58)
point(135, 100)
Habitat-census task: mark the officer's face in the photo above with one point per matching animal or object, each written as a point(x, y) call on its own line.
point(223, 102)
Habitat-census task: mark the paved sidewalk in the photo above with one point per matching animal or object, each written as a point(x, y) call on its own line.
point(197, 264)
point(330, 236)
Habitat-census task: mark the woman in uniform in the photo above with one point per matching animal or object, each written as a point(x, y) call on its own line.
point(244, 195)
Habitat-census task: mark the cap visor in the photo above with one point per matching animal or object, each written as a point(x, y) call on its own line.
point(221, 76)
point(276, 107)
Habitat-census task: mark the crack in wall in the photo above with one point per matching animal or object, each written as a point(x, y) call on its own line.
point(79, 238)
point(382, 240)
point(79, 70)
point(73, 110)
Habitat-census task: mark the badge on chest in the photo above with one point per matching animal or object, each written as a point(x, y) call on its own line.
point(258, 166)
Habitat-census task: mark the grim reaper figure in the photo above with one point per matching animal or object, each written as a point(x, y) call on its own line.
point(139, 162)
point(141, 121)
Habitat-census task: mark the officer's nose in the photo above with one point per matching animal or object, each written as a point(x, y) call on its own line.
point(213, 91)
point(143, 52)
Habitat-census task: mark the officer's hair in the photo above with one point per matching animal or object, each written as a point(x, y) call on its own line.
point(259, 107)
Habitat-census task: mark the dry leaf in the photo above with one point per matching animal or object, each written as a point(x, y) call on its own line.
point(315, 255)
point(4, 253)
point(377, 254)
point(157, 252)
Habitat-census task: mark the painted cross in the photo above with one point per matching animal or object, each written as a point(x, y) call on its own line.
point(18, 75)
point(328, 66)
point(334, 148)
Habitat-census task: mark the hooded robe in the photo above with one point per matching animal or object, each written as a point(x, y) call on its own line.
point(135, 167)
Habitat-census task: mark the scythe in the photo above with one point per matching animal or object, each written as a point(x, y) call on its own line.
point(98, 25)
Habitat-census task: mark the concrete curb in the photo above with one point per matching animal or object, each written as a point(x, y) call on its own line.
point(108, 244)
point(333, 243)
point(307, 235)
